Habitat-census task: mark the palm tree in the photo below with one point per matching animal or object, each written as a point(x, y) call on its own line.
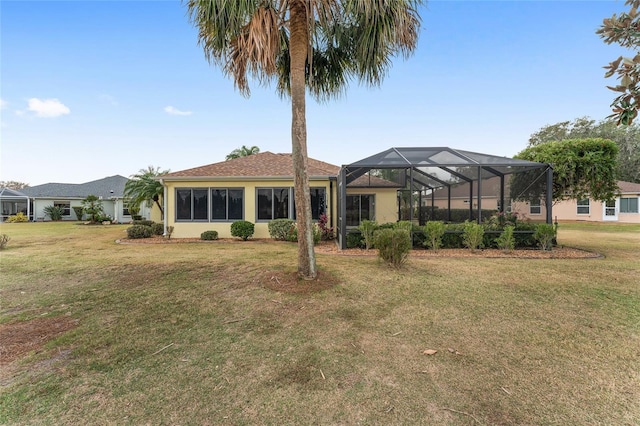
point(314, 44)
point(143, 187)
point(243, 151)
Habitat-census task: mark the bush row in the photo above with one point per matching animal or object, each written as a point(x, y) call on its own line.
point(452, 235)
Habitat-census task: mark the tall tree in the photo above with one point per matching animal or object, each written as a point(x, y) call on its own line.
point(243, 151)
point(12, 184)
point(144, 187)
point(626, 137)
point(581, 168)
point(319, 45)
point(623, 30)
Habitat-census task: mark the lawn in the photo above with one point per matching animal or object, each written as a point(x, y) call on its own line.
point(216, 333)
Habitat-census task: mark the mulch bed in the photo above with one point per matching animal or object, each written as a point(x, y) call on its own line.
point(329, 247)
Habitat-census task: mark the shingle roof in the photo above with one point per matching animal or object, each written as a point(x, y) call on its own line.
point(627, 187)
point(112, 186)
point(264, 164)
point(8, 194)
point(269, 165)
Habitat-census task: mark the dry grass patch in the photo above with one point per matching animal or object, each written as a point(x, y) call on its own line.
point(228, 331)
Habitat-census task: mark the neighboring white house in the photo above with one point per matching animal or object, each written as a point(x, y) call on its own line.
point(109, 190)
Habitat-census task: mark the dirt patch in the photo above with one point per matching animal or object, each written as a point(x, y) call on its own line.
point(20, 338)
point(289, 282)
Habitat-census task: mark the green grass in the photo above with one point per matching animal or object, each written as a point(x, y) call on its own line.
point(539, 341)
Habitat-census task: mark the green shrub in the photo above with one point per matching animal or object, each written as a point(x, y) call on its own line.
point(506, 241)
point(4, 240)
point(279, 229)
point(139, 231)
point(472, 235)
point(403, 224)
point(157, 228)
point(453, 235)
point(393, 245)
point(209, 235)
point(368, 228)
point(355, 240)
point(79, 211)
point(293, 233)
point(92, 207)
point(525, 239)
point(54, 212)
point(17, 218)
point(242, 229)
point(104, 218)
point(544, 235)
point(143, 222)
point(434, 231)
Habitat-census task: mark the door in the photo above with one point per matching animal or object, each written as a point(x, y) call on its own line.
point(610, 210)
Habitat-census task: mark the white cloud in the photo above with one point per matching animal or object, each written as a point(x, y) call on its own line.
point(3, 104)
point(174, 111)
point(48, 107)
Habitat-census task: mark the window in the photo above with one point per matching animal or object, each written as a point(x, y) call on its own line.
point(629, 205)
point(273, 203)
point(125, 208)
point(318, 202)
point(192, 204)
point(359, 208)
point(65, 206)
point(583, 206)
point(227, 204)
point(534, 206)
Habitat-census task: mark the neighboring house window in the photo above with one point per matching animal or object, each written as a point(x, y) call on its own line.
point(583, 206)
point(227, 204)
point(65, 205)
point(125, 208)
point(629, 205)
point(360, 207)
point(192, 204)
point(273, 203)
point(534, 206)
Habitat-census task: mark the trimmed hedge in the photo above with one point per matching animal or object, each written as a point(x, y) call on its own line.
point(139, 231)
point(242, 229)
point(280, 229)
point(209, 235)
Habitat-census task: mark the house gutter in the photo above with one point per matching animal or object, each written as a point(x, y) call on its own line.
point(239, 178)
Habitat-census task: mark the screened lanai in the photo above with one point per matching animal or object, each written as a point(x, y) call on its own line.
point(436, 182)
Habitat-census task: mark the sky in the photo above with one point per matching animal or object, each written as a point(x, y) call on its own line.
point(91, 89)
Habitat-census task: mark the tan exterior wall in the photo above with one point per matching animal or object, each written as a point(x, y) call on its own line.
point(567, 210)
point(523, 209)
point(185, 229)
point(386, 202)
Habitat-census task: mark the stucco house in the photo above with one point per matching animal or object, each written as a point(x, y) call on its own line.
point(109, 190)
point(623, 209)
point(259, 188)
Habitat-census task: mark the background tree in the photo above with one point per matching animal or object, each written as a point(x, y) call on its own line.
point(243, 151)
point(626, 137)
point(143, 187)
point(623, 30)
point(92, 207)
point(12, 184)
point(581, 168)
point(314, 44)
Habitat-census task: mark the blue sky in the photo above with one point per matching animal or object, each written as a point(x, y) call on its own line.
point(91, 89)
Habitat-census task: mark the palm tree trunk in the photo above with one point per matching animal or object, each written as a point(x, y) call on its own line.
point(298, 49)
